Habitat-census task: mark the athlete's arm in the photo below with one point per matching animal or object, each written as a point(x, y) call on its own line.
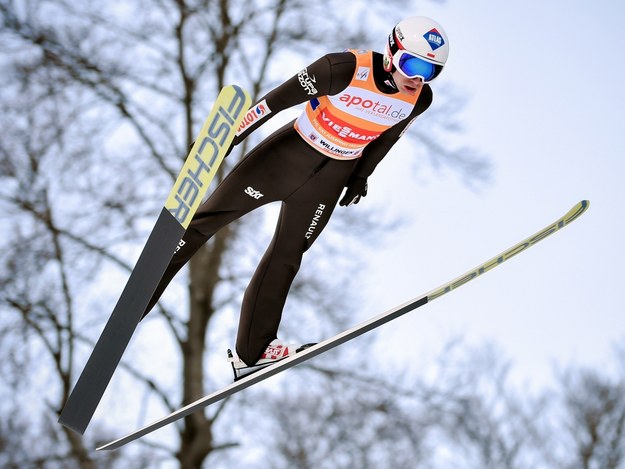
point(326, 76)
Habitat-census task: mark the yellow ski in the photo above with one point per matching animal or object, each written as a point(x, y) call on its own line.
point(189, 189)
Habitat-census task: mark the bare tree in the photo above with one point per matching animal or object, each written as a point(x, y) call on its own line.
point(465, 414)
point(321, 422)
point(592, 430)
point(99, 103)
point(485, 420)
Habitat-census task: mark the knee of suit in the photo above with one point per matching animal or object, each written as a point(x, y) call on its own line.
point(188, 245)
point(191, 241)
point(286, 262)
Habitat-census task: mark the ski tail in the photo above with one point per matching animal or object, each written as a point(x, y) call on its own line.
point(190, 187)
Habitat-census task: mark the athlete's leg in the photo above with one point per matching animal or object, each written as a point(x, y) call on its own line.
point(303, 216)
point(253, 182)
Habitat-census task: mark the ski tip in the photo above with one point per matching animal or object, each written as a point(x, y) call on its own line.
point(577, 210)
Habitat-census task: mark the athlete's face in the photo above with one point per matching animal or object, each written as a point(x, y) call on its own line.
point(407, 85)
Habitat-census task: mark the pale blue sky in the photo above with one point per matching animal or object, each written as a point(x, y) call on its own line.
point(546, 103)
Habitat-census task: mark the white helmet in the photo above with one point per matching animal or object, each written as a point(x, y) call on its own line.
point(417, 47)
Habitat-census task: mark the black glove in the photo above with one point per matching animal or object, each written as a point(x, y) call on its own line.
point(356, 188)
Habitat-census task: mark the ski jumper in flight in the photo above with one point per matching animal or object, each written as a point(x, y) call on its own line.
point(358, 104)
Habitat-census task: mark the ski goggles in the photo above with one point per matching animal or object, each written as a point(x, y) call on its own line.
point(413, 66)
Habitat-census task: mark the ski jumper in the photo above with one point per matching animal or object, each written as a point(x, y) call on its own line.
point(353, 116)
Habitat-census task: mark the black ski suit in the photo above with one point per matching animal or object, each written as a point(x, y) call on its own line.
point(284, 167)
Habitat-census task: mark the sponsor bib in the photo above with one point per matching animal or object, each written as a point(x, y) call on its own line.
point(341, 126)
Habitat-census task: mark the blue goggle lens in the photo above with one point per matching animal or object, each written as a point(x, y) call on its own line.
point(413, 66)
